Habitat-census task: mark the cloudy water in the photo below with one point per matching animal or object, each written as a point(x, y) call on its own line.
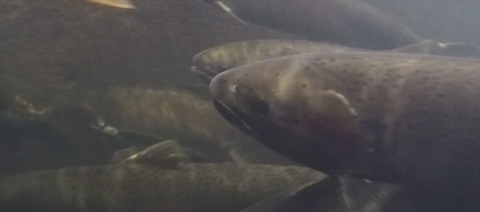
point(239, 105)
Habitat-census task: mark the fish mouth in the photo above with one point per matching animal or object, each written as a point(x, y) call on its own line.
point(205, 75)
point(234, 116)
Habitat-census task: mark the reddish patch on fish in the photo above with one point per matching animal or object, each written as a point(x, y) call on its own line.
point(334, 136)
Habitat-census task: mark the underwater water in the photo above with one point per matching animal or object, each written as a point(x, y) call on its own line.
point(239, 105)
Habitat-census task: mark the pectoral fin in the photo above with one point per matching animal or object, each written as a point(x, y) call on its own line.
point(229, 11)
point(115, 3)
point(166, 154)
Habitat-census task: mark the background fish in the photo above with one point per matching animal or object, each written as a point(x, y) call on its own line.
point(74, 48)
point(180, 115)
point(136, 187)
point(393, 117)
point(349, 23)
point(55, 137)
point(345, 194)
point(442, 20)
point(213, 61)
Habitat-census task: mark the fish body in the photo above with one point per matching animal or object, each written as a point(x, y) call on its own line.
point(57, 136)
point(339, 194)
point(349, 23)
point(136, 187)
point(207, 64)
point(183, 116)
point(213, 61)
point(401, 118)
point(98, 47)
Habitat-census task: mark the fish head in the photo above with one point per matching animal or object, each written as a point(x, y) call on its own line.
point(207, 64)
point(277, 102)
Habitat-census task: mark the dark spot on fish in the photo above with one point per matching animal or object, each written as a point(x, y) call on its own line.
point(347, 64)
point(361, 75)
point(325, 87)
point(373, 66)
point(370, 79)
point(356, 82)
point(224, 81)
point(333, 59)
point(238, 80)
point(457, 69)
point(322, 63)
point(277, 74)
point(425, 78)
point(259, 107)
point(354, 58)
point(290, 115)
point(359, 100)
point(440, 95)
point(304, 85)
point(246, 74)
point(344, 70)
point(392, 69)
point(307, 68)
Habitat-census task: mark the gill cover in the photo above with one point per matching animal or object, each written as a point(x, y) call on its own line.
point(309, 123)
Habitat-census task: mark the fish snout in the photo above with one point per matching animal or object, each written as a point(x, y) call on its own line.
point(219, 85)
point(202, 73)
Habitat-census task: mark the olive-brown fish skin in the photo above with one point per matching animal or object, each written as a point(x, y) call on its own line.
point(349, 23)
point(86, 48)
point(340, 194)
point(180, 115)
point(135, 187)
point(208, 63)
point(397, 117)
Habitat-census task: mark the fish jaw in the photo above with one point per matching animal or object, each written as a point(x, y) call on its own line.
point(205, 75)
point(205, 65)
